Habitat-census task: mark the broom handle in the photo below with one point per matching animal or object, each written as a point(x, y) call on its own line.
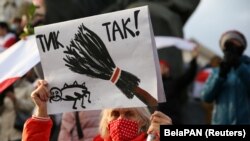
point(145, 97)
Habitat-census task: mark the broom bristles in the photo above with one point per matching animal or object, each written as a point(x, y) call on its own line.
point(127, 83)
point(87, 54)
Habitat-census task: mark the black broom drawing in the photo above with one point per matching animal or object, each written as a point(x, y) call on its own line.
point(88, 55)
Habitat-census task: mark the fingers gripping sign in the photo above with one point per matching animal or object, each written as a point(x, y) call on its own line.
point(40, 97)
point(157, 119)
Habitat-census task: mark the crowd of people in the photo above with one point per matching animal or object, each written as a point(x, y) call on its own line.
point(224, 95)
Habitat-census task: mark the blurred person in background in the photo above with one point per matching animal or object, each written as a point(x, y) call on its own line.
point(22, 104)
point(198, 86)
point(228, 85)
point(174, 88)
point(16, 27)
point(7, 39)
point(8, 115)
point(79, 126)
point(8, 9)
point(23, 89)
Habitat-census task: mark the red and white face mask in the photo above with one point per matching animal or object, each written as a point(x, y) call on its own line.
point(123, 129)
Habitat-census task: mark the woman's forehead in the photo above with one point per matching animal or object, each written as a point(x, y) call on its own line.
point(123, 110)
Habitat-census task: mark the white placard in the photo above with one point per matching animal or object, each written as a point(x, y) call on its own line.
point(103, 61)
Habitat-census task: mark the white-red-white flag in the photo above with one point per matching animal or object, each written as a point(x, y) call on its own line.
point(23, 55)
point(17, 61)
point(200, 81)
point(168, 41)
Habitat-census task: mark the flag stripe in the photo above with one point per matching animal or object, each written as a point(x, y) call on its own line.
point(168, 41)
point(6, 83)
point(18, 60)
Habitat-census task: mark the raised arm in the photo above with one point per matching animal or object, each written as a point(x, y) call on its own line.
point(38, 127)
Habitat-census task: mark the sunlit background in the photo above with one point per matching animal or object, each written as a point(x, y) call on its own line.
point(213, 17)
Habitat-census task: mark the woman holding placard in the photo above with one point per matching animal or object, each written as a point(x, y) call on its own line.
point(38, 127)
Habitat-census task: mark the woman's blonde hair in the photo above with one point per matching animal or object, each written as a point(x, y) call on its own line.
point(142, 113)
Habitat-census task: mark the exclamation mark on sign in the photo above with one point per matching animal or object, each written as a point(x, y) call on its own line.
point(136, 22)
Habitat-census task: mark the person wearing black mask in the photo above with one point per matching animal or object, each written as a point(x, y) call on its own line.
point(229, 85)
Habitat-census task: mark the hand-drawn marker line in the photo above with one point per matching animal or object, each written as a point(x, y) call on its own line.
point(88, 55)
point(58, 95)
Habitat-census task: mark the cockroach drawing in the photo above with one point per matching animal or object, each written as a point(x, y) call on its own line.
point(80, 92)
